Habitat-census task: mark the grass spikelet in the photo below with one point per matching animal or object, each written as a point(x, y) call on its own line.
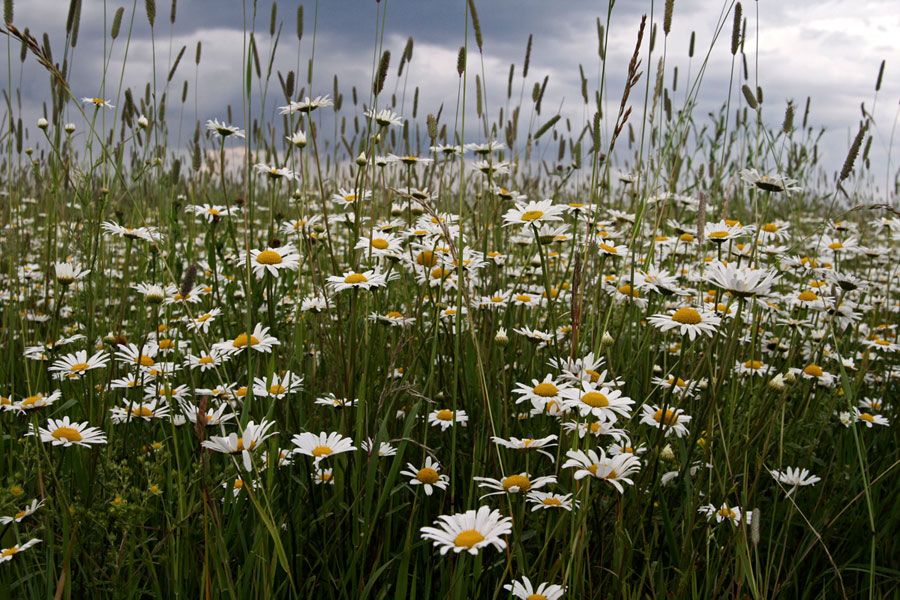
point(476, 25)
point(174, 10)
point(150, 7)
point(736, 29)
point(691, 44)
point(7, 11)
point(749, 97)
point(880, 76)
point(381, 75)
point(300, 23)
point(461, 61)
point(527, 57)
point(197, 53)
point(853, 153)
point(117, 23)
point(667, 18)
point(175, 64)
point(788, 124)
point(543, 129)
point(76, 23)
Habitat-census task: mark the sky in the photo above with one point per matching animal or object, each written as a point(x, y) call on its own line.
point(825, 49)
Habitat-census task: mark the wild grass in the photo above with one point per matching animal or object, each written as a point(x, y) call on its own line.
point(473, 298)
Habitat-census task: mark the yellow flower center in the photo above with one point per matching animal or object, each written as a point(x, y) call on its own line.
point(523, 298)
point(31, 400)
point(726, 513)
point(687, 316)
point(532, 215)
point(626, 290)
point(213, 211)
point(206, 360)
point(439, 273)
point(807, 296)
point(497, 299)
point(380, 244)
point(668, 418)
point(19, 514)
point(595, 400)
point(242, 340)
point(238, 483)
point(9, 552)
point(468, 538)
point(78, 367)
point(68, 433)
point(142, 411)
point(770, 228)
point(355, 278)
point(686, 237)
point(394, 315)
point(427, 475)
point(867, 417)
point(277, 389)
point(204, 318)
point(445, 415)
point(545, 390)
point(536, 597)
point(268, 257)
point(835, 246)
point(166, 344)
point(426, 258)
point(519, 481)
point(718, 235)
point(608, 248)
point(753, 364)
point(814, 371)
point(551, 502)
point(322, 451)
point(595, 376)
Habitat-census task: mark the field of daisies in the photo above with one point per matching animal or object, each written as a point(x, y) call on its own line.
point(348, 346)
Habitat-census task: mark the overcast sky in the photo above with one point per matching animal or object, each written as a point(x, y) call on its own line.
point(829, 50)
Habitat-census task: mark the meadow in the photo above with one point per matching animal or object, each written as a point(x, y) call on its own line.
point(331, 343)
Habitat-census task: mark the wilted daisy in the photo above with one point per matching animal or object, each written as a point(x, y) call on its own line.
point(63, 432)
point(25, 512)
point(794, 477)
point(429, 476)
point(513, 484)
point(524, 590)
point(74, 366)
point(688, 321)
point(469, 531)
point(321, 446)
point(671, 420)
point(534, 213)
point(8, 553)
point(446, 418)
point(252, 436)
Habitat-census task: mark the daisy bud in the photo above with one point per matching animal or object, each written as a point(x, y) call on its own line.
point(666, 453)
point(65, 274)
point(69, 127)
point(789, 377)
point(43, 123)
point(501, 339)
point(178, 420)
point(109, 338)
point(29, 151)
point(845, 419)
point(298, 139)
point(777, 383)
point(361, 159)
point(143, 122)
point(607, 340)
point(297, 195)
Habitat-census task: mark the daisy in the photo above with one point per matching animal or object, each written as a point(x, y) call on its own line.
point(272, 260)
point(609, 249)
point(469, 531)
point(274, 173)
point(815, 373)
point(533, 213)
point(354, 280)
point(484, 149)
point(321, 446)
point(335, 402)
point(613, 469)
point(596, 429)
point(206, 362)
point(384, 118)
point(97, 102)
point(146, 410)
point(672, 420)
point(446, 418)
point(25, 512)
point(213, 416)
point(429, 476)
point(542, 392)
point(380, 244)
point(741, 281)
point(794, 478)
point(298, 140)
point(279, 387)
point(63, 432)
point(603, 403)
point(384, 448)
point(869, 419)
point(253, 435)
point(74, 366)
point(202, 322)
point(722, 232)
point(259, 340)
point(149, 234)
point(8, 553)
point(524, 590)
point(688, 321)
point(69, 273)
point(223, 129)
point(512, 484)
point(723, 513)
point(770, 183)
point(545, 500)
point(38, 400)
point(211, 212)
point(499, 299)
point(323, 476)
point(306, 105)
point(528, 444)
point(348, 198)
point(393, 318)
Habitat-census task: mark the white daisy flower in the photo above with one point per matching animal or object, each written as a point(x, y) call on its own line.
point(469, 531)
point(63, 432)
point(321, 446)
point(429, 476)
